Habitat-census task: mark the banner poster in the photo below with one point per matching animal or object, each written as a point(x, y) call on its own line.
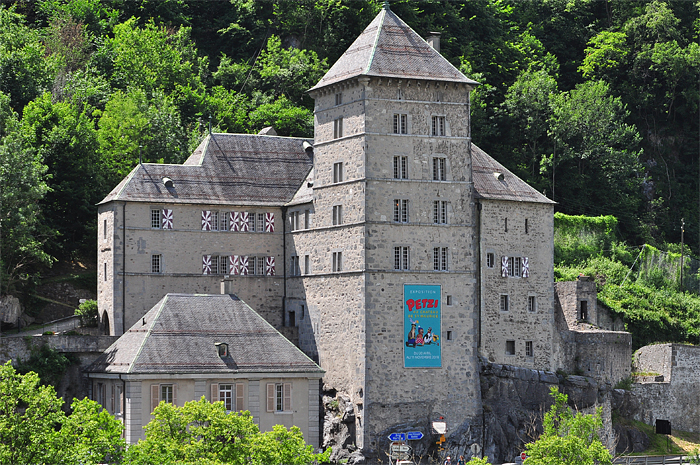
point(421, 323)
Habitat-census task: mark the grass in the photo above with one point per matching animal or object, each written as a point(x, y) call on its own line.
point(678, 443)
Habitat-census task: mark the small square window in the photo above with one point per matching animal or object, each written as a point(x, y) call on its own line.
point(510, 347)
point(449, 300)
point(505, 304)
point(490, 260)
point(449, 335)
point(531, 304)
point(528, 349)
point(339, 98)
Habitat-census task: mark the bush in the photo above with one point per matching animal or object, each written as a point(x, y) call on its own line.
point(87, 311)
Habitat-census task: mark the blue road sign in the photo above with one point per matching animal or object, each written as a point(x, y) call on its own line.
point(397, 437)
point(414, 435)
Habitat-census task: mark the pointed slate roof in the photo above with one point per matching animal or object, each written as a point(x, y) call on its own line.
point(388, 47)
point(493, 181)
point(226, 168)
point(178, 335)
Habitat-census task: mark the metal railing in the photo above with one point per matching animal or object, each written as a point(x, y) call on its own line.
point(654, 460)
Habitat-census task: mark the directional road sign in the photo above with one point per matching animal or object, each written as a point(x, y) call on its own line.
point(397, 437)
point(414, 435)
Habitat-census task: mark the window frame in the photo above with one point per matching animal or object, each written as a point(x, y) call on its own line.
point(532, 304)
point(400, 123)
point(439, 211)
point(490, 258)
point(529, 349)
point(337, 261)
point(438, 126)
point(338, 128)
point(504, 303)
point(401, 211)
point(510, 344)
point(400, 167)
point(338, 172)
point(440, 259)
point(156, 263)
point(439, 168)
point(159, 220)
point(163, 388)
point(402, 258)
point(307, 264)
point(337, 218)
point(338, 98)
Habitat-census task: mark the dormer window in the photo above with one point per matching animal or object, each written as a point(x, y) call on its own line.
point(222, 348)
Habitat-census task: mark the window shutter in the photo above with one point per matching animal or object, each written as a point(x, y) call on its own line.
point(240, 403)
point(155, 396)
point(206, 264)
point(287, 404)
point(112, 401)
point(269, 222)
point(270, 397)
point(206, 220)
point(233, 264)
point(233, 218)
point(167, 219)
point(526, 267)
point(504, 267)
point(243, 222)
point(214, 392)
point(174, 394)
point(243, 265)
point(270, 266)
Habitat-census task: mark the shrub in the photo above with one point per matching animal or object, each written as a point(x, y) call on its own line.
point(87, 311)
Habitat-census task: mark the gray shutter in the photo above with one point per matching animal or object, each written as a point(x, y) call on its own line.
point(270, 397)
point(214, 392)
point(155, 396)
point(287, 401)
point(240, 400)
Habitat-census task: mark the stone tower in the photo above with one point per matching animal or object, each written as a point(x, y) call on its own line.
point(382, 240)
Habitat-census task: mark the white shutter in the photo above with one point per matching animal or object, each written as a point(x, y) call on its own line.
point(155, 396)
point(167, 219)
point(240, 401)
point(526, 267)
point(287, 402)
point(270, 266)
point(214, 392)
point(504, 267)
point(269, 222)
point(270, 397)
point(206, 220)
point(243, 222)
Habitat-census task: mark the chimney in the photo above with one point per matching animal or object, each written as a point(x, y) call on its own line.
point(434, 40)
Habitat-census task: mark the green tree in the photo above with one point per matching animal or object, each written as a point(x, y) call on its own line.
point(22, 186)
point(91, 435)
point(202, 431)
point(568, 438)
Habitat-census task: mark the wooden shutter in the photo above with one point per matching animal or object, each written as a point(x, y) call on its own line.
point(287, 401)
point(155, 396)
point(269, 222)
point(206, 220)
point(504, 267)
point(167, 219)
point(270, 266)
point(214, 392)
point(271, 397)
point(174, 394)
point(526, 267)
point(244, 222)
point(206, 264)
point(240, 401)
point(243, 265)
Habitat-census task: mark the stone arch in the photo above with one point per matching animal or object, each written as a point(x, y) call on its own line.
point(105, 323)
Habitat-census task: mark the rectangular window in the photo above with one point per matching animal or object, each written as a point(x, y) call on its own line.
point(440, 259)
point(261, 222)
point(337, 128)
point(490, 260)
point(438, 126)
point(400, 210)
point(531, 304)
point(294, 265)
point(279, 397)
point(118, 400)
point(526, 229)
point(449, 300)
point(155, 219)
point(338, 172)
point(401, 258)
point(339, 98)
point(439, 169)
point(214, 221)
point(337, 215)
point(260, 267)
point(251, 221)
point(584, 310)
point(226, 396)
point(307, 219)
point(214, 264)
point(105, 273)
point(156, 265)
point(510, 347)
point(166, 393)
point(400, 124)
point(528, 349)
point(223, 264)
point(505, 305)
point(440, 212)
point(400, 167)
point(293, 221)
point(307, 264)
point(104, 229)
point(514, 267)
point(337, 262)
point(223, 221)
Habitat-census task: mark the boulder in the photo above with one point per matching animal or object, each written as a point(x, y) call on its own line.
point(10, 309)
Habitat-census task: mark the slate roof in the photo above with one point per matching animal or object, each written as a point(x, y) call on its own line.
point(388, 47)
point(180, 333)
point(485, 171)
point(226, 168)
point(305, 194)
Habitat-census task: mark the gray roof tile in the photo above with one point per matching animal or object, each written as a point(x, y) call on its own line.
point(225, 168)
point(388, 47)
point(180, 333)
point(485, 171)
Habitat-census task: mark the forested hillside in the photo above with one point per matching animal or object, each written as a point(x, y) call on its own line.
point(595, 103)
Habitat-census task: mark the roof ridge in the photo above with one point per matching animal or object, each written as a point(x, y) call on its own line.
point(148, 332)
point(376, 40)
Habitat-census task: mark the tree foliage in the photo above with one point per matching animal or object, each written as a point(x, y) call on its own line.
point(569, 438)
point(203, 432)
point(34, 429)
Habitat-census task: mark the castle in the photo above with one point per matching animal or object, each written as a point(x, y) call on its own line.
point(392, 250)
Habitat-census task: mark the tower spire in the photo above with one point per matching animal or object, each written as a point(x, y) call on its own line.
point(386, 5)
